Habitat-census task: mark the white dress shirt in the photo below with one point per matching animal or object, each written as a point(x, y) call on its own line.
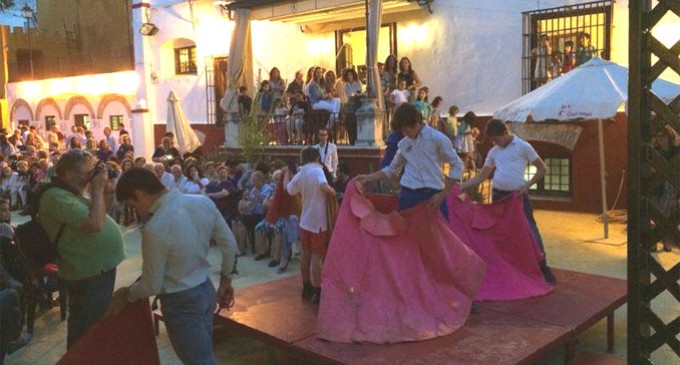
point(510, 162)
point(308, 182)
point(176, 242)
point(423, 158)
point(329, 156)
point(167, 180)
point(177, 185)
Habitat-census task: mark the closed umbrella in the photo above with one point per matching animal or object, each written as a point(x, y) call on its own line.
point(179, 125)
point(592, 91)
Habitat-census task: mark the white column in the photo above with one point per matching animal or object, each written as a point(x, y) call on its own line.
point(145, 109)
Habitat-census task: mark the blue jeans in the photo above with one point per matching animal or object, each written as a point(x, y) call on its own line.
point(87, 302)
point(188, 317)
point(529, 214)
point(409, 198)
point(10, 320)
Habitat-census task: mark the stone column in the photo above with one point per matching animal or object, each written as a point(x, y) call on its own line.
point(145, 111)
point(370, 121)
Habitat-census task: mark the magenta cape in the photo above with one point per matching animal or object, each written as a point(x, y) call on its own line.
point(394, 276)
point(500, 234)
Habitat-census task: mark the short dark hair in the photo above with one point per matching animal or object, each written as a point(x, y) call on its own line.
point(495, 128)
point(585, 35)
point(70, 161)
point(242, 89)
point(309, 154)
point(569, 43)
point(137, 178)
point(343, 167)
point(406, 115)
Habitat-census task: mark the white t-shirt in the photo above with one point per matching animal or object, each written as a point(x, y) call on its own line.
point(400, 96)
point(308, 182)
point(510, 162)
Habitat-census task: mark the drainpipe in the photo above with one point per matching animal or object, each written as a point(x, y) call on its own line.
point(145, 111)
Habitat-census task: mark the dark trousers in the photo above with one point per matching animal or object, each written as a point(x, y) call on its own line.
point(529, 214)
point(87, 302)
point(188, 317)
point(10, 320)
point(411, 197)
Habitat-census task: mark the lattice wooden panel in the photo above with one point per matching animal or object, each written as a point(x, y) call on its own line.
point(654, 183)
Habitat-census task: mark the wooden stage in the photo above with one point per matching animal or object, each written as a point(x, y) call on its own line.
point(510, 332)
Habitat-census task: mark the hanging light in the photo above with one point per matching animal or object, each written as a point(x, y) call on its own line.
point(148, 29)
point(423, 3)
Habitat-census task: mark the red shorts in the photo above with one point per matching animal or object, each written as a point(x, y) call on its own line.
point(315, 242)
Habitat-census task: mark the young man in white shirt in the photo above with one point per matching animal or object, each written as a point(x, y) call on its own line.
point(311, 183)
point(328, 152)
point(509, 158)
point(175, 245)
point(421, 155)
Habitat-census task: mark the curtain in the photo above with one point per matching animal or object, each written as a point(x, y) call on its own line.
point(240, 66)
point(179, 125)
point(373, 23)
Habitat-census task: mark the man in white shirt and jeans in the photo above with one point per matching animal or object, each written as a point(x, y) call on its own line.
point(509, 158)
point(328, 152)
point(311, 183)
point(175, 245)
point(421, 155)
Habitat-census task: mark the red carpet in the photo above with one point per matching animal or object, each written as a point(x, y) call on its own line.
point(125, 339)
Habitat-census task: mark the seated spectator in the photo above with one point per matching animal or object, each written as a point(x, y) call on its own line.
point(295, 88)
point(195, 183)
point(140, 162)
point(319, 96)
point(91, 146)
point(224, 194)
point(6, 148)
point(9, 186)
point(125, 146)
point(251, 211)
point(164, 176)
point(178, 179)
point(210, 170)
point(166, 151)
point(104, 153)
point(352, 84)
point(235, 171)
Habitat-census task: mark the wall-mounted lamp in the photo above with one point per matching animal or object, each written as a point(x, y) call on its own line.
point(148, 29)
point(423, 3)
point(225, 7)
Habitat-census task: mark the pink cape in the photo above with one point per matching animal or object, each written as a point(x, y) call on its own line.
point(500, 234)
point(395, 276)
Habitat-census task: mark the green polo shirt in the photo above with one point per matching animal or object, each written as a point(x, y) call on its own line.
point(81, 254)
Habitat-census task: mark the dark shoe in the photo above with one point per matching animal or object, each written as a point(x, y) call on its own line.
point(316, 298)
point(273, 263)
point(261, 257)
point(307, 290)
point(548, 275)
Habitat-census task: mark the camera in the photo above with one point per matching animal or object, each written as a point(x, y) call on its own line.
point(112, 173)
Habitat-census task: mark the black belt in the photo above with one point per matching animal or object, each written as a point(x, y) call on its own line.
point(421, 189)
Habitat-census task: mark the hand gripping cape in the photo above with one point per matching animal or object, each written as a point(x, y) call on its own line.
point(500, 234)
point(394, 276)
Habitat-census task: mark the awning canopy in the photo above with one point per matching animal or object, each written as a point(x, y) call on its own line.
point(316, 11)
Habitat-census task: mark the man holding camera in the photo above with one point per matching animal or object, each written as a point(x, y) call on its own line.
point(175, 246)
point(90, 244)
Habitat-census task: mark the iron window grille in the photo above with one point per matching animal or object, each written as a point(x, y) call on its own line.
point(185, 60)
point(114, 120)
point(562, 24)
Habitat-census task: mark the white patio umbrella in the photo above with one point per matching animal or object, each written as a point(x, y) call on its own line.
point(592, 91)
point(178, 124)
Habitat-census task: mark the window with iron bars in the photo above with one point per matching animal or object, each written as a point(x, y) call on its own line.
point(557, 179)
point(185, 60)
point(546, 60)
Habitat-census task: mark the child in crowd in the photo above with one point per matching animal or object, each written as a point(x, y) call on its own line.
point(311, 183)
point(245, 102)
point(556, 64)
point(400, 95)
point(568, 60)
point(266, 98)
point(435, 114)
point(280, 112)
point(464, 140)
point(451, 129)
point(422, 104)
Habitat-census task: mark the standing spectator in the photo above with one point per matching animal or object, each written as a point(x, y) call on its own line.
point(340, 183)
point(541, 57)
point(451, 129)
point(308, 80)
point(125, 147)
point(422, 103)
point(276, 83)
point(235, 171)
point(53, 138)
point(224, 194)
point(508, 160)
point(258, 194)
point(195, 183)
point(569, 60)
point(435, 114)
point(245, 102)
point(90, 246)
point(121, 130)
point(400, 95)
point(407, 74)
point(91, 146)
point(15, 140)
point(266, 98)
point(311, 183)
point(110, 139)
point(464, 140)
point(556, 64)
point(6, 148)
point(328, 152)
point(104, 153)
point(389, 75)
point(176, 242)
point(585, 51)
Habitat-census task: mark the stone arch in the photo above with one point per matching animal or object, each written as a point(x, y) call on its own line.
point(19, 103)
point(77, 100)
point(109, 98)
point(45, 102)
